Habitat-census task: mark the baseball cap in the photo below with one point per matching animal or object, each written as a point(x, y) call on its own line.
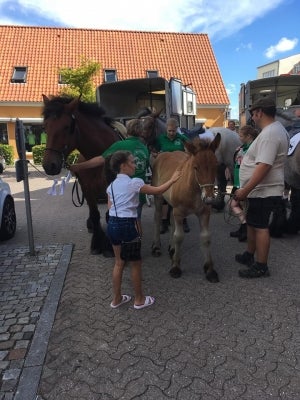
point(263, 103)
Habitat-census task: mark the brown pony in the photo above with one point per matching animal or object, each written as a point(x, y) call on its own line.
point(71, 124)
point(191, 194)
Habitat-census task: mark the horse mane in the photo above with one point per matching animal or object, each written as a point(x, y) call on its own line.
point(200, 144)
point(56, 105)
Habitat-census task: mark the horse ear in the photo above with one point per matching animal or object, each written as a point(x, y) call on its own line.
point(73, 105)
point(45, 99)
point(189, 146)
point(216, 142)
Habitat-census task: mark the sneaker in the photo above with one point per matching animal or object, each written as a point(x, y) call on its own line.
point(245, 258)
point(254, 272)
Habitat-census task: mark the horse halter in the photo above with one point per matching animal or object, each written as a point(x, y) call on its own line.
point(203, 186)
point(72, 130)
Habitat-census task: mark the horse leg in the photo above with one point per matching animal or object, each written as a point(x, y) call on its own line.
point(203, 218)
point(99, 242)
point(176, 239)
point(156, 244)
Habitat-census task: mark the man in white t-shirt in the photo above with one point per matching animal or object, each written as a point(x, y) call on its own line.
point(262, 184)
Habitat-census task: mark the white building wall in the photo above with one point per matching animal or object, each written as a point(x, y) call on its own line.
point(278, 67)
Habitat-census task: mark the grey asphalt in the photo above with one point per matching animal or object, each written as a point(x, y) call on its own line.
point(59, 338)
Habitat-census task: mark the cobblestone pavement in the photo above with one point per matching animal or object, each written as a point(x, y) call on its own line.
point(238, 339)
point(30, 289)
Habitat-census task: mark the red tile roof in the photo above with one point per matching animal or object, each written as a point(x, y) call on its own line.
point(44, 51)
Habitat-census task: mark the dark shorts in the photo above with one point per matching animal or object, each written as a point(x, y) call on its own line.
point(121, 230)
point(260, 209)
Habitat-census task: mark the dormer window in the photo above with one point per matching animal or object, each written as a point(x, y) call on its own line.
point(19, 75)
point(61, 80)
point(110, 75)
point(296, 69)
point(151, 73)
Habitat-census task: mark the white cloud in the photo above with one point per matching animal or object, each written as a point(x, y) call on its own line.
point(231, 89)
point(242, 46)
point(217, 18)
point(282, 46)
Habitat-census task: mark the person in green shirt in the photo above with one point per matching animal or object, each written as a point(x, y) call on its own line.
point(43, 138)
point(136, 147)
point(171, 140)
point(31, 139)
point(247, 134)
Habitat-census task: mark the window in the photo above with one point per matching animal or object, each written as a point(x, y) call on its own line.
point(110, 75)
point(296, 69)
point(269, 74)
point(19, 75)
point(61, 80)
point(152, 73)
point(63, 75)
point(3, 134)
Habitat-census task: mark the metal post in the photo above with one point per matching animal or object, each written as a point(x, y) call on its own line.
point(23, 170)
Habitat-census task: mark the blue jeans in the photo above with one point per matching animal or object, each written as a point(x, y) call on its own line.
point(121, 230)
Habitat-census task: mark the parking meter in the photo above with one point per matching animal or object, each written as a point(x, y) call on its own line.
point(20, 143)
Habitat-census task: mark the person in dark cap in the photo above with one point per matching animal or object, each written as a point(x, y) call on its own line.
point(262, 184)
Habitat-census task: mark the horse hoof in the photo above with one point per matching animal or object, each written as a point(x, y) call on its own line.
point(175, 272)
point(212, 277)
point(156, 252)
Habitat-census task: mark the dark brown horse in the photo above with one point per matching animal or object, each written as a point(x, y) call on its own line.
point(191, 194)
point(71, 124)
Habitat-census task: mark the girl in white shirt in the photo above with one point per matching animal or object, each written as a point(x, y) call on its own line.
point(123, 199)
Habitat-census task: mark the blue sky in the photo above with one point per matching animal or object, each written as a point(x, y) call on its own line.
point(244, 34)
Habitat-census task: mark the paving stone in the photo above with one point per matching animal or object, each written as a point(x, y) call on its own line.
point(235, 340)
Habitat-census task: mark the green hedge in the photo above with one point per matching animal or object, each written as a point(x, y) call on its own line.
point(7, 151)
point(38, 154)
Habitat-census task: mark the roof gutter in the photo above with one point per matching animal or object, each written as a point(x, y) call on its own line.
point(27, 120)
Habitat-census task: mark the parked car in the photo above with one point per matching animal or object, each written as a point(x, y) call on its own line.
point(8, 221)
point(2, 164)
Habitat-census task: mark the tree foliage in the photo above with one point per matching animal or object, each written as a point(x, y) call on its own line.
point(80, 81)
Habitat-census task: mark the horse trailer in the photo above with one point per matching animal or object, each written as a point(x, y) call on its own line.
point(123, 100)
point(283, 89)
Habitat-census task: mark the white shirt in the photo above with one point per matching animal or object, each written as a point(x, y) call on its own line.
point(126, 196)
point(270, 147)
point(207, 135)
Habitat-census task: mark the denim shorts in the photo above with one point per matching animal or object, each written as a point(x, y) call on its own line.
point(121, 230)
point(260, 209)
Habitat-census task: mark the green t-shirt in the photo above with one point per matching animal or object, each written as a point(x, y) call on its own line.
point(140, 153)
point(238, 157)
point(163, 143)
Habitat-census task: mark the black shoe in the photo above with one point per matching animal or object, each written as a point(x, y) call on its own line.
point(255, 271)
point(235, 234)
point(186, 227)
point(245, 258)
point(243, 233)
point(164, 226)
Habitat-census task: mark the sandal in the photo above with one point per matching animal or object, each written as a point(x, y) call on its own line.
point(149, 300)
point(125, 299)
